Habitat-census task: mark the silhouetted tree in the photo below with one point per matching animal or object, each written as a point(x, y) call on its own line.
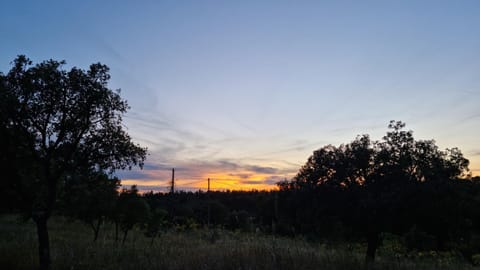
point(131, 209)
point(157, 221)
point(58, 121)
point(369, 185)
point(90, 197)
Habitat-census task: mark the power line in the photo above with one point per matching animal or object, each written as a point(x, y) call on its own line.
point(188, 183)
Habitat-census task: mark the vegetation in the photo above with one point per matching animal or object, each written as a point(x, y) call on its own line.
point(55, 126)
point(400, 202)
point(371, 187)
point(72, 248)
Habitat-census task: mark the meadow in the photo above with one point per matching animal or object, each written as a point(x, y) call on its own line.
point(72, 248)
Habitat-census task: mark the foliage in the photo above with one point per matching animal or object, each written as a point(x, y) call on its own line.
point(73, 249)
point(374, 186)
point(130, 210)
point(90, 198)
point(57, 123)
point(156, 223)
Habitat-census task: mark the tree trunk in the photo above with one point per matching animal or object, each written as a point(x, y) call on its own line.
point(153, 238)
point(124, 236)
point(372, 241)
point(96, 229)
point(116, 231)
point(43, 243)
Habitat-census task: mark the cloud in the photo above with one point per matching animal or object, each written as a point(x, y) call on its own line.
point(269, 181)
point(152, 166)
point(474, 153)
point(470, 117)
point(196, 157)
point(241, 175)
point(252, 182)
point(180, 144)
point(133, 174)
point(260, 169)
point(192, 174)
point(273, 180)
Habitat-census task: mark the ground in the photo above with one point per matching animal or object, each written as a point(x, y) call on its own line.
point(73, 248)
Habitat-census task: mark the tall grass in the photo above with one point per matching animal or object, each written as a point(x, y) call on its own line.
point(73, 248)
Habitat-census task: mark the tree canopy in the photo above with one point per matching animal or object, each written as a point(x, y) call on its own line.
point(374, 185)
point(57, 123)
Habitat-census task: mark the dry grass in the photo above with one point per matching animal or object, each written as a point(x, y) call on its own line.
point(72, 248)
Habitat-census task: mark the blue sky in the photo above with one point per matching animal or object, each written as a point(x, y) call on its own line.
point(244, 91)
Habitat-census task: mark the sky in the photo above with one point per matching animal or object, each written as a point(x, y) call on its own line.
point(243, 92)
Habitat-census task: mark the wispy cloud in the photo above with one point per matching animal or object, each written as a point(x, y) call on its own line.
point(134, 174)
point(193, 174)
point(474, 153)
point(241, 175)
point(252, 182)
point(262, 170)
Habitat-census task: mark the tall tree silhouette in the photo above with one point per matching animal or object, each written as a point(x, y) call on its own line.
point(370, 185)
point(58, 121)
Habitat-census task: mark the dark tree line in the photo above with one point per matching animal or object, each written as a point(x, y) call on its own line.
point(236, 210)
point(428, 215)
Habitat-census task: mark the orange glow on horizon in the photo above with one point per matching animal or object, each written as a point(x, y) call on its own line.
point(238, 181)
point(218, 181)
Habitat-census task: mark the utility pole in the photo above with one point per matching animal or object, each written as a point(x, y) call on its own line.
point(208, 202)
point(172, 187)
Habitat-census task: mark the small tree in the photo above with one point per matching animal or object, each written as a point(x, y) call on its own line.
point(91, 197)
point(131, 209)
point(58, 122)
point(157, 221)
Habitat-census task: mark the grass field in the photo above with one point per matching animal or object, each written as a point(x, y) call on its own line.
point(73, 248)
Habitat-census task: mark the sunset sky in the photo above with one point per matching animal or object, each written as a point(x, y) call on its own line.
point(244, 91)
